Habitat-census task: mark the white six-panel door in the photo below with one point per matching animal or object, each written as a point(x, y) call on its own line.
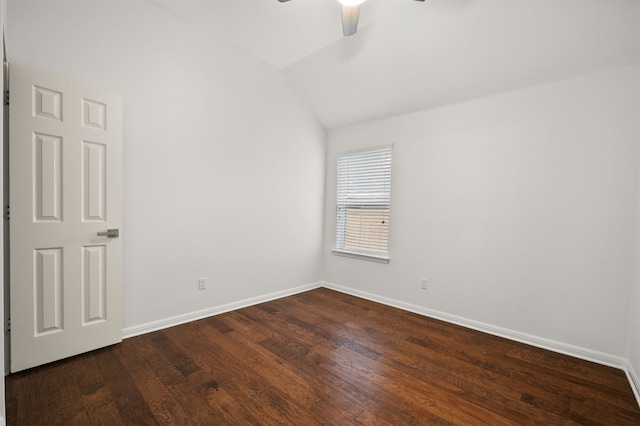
point(65, 161)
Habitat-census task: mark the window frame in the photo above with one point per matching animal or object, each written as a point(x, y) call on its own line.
point(364, 254)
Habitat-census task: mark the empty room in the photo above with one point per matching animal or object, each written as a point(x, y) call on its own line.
point(367, 212)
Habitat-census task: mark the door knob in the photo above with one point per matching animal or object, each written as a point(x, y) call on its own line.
point(111, 233)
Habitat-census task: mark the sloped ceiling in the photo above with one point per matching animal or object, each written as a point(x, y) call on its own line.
point(409, 56)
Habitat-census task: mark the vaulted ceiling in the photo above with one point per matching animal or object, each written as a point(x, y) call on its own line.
point(409, 56)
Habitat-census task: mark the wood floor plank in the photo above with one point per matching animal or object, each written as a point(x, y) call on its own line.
point(445, 372)
point(165, 408)
point(294, 351)
point(226, 383)
point(279, 380)
point(480, 355)
point(130, 403)
point(343, 341)
point(177, 371)
point(315, 358)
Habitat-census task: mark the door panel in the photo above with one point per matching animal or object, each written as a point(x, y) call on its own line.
point(65, 159)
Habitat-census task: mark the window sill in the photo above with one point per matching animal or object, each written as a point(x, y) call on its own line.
point(361, 256)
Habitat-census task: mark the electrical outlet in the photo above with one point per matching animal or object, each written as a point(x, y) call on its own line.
point(202, 283)
point(425, 284)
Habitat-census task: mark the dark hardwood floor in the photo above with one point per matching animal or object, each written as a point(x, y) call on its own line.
point(320, 357)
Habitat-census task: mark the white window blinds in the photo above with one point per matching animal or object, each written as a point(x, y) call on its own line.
point(363, 202)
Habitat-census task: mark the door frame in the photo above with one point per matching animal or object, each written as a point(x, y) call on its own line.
point(5, 305)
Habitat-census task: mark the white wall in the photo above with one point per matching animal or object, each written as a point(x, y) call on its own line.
point(223, 165)
point(519, 208)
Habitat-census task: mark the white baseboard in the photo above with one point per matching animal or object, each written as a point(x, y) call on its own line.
point(634, 380)
point(540, 342)
point(193, 316)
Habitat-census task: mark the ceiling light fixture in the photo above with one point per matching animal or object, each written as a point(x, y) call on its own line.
point(350, 15)
point(351, 2)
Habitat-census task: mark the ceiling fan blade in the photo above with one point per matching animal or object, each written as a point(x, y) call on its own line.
point(282, 1)
point(350, 15)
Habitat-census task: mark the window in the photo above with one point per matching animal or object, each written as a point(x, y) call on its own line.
point(363, 202)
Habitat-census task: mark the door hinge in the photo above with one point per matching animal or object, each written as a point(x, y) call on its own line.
point(6, 213)
point(8, 326)
point(6, 97)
